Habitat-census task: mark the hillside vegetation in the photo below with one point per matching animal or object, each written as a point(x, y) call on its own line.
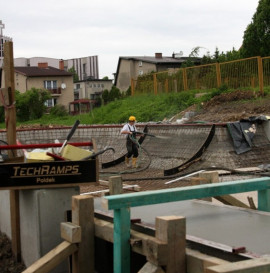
point(156, 108)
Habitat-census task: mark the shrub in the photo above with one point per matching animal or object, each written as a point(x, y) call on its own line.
point(58, 110)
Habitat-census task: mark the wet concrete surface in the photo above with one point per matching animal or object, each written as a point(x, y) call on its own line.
point(233, 227)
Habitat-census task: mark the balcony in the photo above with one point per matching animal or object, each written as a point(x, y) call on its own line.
point(55, 91)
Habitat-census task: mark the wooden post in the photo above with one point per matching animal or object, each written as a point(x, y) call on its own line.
point(172, 230)
point(166, 85)
point(155, 83)
point(132, 87)
point(10, 112)
point(10, 118)
point(185, 83)
point(210, 177)
point(260, 74)
point(218, 75)
point(115, 185)
point(15, 223)
point(83, 216)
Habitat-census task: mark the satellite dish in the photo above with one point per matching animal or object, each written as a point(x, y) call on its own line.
point(63, 86)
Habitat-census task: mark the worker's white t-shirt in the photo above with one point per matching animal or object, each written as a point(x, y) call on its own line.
point(128, 127)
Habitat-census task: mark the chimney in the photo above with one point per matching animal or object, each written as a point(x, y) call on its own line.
point(42, 65)
point(158, 55)
point(61, 64)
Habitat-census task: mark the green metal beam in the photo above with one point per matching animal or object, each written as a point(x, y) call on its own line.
point(121, 246)
point(186, 193)
point(121, 204)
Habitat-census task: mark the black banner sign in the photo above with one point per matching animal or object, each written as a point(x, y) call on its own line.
point(47, 174)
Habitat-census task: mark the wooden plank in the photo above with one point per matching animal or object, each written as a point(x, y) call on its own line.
point(172, 230)
point(52, 258)
point(185, 193)
point(260, 265)
point(71, 232)
point(133, 187)
point(151, 268)
point(157, 252)
point(83, 216)
point(197, 262)
point(115, 185)
point(200, 181)
point(232, 201)
point(251, 202)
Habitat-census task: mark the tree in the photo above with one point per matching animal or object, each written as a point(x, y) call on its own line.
point(256, 40)
point(30, 105)
point(75, 75)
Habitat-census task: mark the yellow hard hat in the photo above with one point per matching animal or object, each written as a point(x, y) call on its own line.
point(132, 118)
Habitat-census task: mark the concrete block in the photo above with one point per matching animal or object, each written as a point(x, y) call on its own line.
point(41, 214)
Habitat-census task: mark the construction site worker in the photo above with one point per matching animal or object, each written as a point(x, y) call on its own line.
point(130, 130)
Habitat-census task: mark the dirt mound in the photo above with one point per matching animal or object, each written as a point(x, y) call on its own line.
point(8, 263)
point(233, 106)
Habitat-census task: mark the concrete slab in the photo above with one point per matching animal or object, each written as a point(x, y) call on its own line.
point(221, 224)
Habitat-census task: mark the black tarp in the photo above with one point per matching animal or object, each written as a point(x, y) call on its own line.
point(243, 131)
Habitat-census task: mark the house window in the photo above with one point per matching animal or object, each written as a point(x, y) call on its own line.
point(140, 72)
point(50, 102)
point(140, 63)
point(78, 86)
point(50, 85)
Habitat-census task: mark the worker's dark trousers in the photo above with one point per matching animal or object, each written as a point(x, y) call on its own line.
point(132, 148)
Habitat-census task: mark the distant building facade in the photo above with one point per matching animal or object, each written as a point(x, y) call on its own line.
point(58, 82)
point(3, 39)
point(91, 89)
point(85, 67)
point(131, 67)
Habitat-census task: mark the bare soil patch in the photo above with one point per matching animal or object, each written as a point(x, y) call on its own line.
point(234, 106)
point(8, 263)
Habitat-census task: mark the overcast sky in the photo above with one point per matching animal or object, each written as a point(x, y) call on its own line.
point(68, 29)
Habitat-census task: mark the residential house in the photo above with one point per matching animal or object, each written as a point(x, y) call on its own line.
point(85, 67)
point(91, 88)
point(58, 82)
point(131, 67)
point(87, 94)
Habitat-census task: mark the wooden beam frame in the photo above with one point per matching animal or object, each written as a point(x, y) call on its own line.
point(49, 261)
point(121, 205)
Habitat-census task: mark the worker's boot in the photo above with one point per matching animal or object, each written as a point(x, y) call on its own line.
point(127, 162)
point(134, 162)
